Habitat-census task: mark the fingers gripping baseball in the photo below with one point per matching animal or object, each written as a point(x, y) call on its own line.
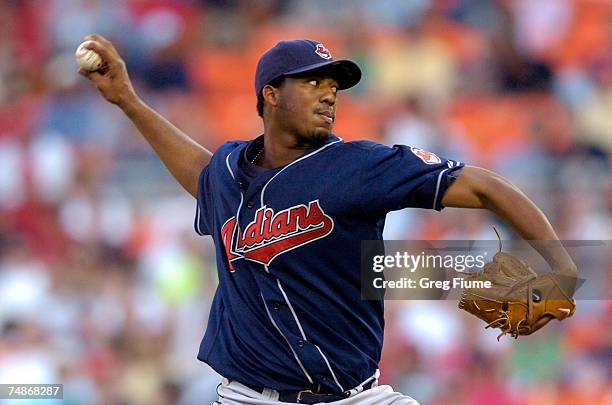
point(112, 79)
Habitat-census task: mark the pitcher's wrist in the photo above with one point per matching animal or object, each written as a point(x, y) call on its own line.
point(130, 105)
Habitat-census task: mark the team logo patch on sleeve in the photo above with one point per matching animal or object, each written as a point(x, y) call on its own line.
point(323, 52)
point(427, 157)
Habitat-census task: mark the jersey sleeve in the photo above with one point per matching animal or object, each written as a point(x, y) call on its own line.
point(203, 208)
point(402, 176)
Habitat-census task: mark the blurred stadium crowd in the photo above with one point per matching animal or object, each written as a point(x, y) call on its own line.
point(105, 287)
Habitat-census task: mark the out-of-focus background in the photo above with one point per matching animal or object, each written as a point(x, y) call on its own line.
point(104, 285)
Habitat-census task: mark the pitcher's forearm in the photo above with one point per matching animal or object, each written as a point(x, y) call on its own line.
point(480, 188)
point(516, 209)
point(183, 156)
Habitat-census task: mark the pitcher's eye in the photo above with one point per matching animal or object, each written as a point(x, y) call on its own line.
point(314, 82)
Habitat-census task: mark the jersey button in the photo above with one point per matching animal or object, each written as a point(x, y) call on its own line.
point(240, 184)
point(249, 205)
point(276, 305)
point(300, 343)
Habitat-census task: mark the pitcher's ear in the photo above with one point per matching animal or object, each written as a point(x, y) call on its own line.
point(270, 95)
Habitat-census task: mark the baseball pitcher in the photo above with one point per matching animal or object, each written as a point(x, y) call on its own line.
point(287, 211)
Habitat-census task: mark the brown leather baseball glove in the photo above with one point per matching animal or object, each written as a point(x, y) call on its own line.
point(519, 302)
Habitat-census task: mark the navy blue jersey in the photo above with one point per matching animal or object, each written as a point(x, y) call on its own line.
point(288, 314)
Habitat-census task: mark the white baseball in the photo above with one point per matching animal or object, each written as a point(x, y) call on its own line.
point(87, 58)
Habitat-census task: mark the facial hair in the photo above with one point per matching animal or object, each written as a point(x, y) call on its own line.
point(315, 139)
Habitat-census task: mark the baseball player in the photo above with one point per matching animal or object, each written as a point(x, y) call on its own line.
point(287, 212)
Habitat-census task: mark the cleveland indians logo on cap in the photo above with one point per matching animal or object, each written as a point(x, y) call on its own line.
point(272, 234)
point(427, 157)
point(323, 51)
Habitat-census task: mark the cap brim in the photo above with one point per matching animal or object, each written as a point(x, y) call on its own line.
point(345, 72)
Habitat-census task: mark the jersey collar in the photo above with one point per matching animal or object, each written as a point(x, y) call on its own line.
point(239, 152)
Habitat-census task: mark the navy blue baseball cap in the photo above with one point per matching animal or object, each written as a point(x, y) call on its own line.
point(303, 55)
